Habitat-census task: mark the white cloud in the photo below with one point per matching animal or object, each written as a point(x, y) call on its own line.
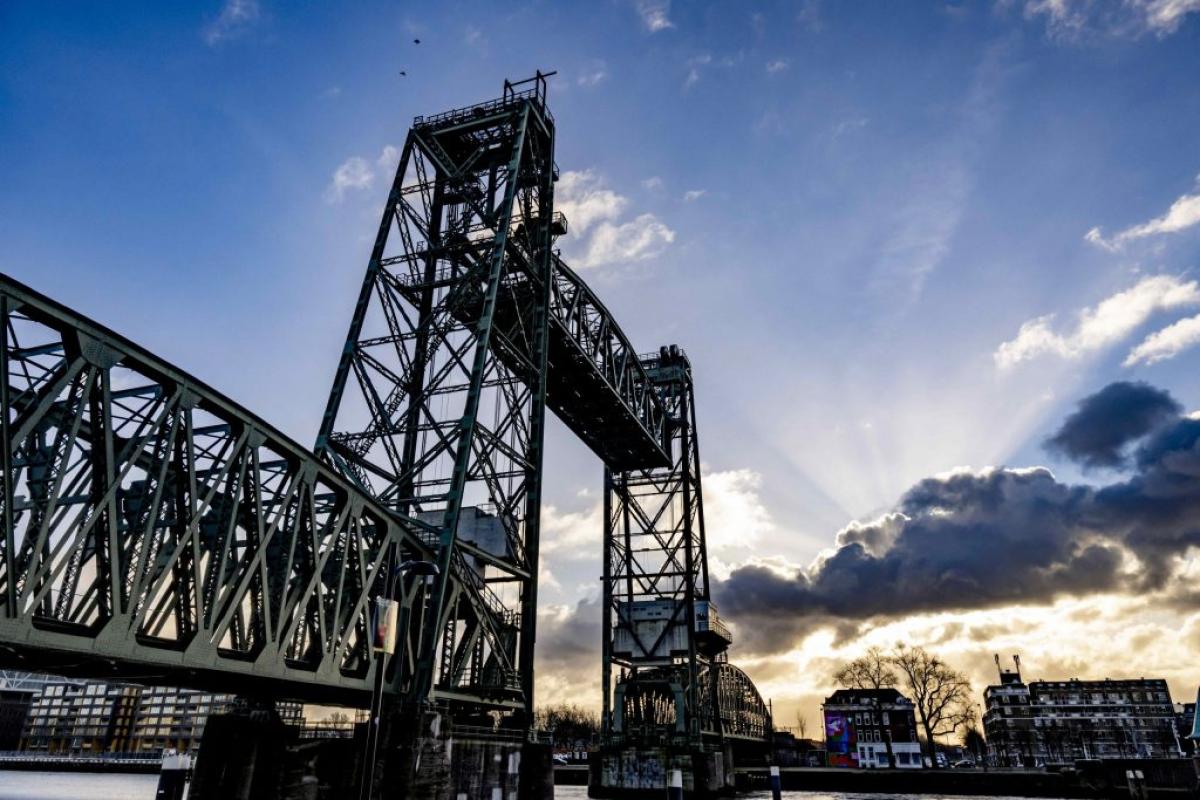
point(388, 160)
point(655, 14)
point(583, 198)
point(694, 64)
point(770, 122)
point(849, 125)
point(1110, 321)
point(1071, 19)
point(236, 17)
point(694, 194)
point(357, 173)
point(641, 238)
point(597, 74)
point(918, 232)
point(1165, 16)
point(778, 65)
point(1062, 16)
point(1183, 214)
point(809, 16)
point(593, 214)
point(473, 36)
point(572, 535)
point(354, 173)
point(653, 183)
point(1166, 343)
point(736, 520)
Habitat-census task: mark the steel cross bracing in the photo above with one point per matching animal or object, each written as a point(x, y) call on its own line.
point(468, 326)
point(153, 530)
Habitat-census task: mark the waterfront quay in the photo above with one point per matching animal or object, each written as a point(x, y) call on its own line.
point(21, 761)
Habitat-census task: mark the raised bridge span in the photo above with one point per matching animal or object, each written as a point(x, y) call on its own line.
point(154, 530)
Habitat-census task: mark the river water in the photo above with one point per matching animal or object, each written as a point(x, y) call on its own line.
point(88, 786)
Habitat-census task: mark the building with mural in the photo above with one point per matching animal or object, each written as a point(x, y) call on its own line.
point(871, 729)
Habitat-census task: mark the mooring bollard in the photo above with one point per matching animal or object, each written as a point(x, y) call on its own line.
point(776, 784)
point(173, 778)
point(675, 785)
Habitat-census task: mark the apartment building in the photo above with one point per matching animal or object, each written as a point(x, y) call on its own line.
point(74, 716)
point(81, 717)
point(1057, 722)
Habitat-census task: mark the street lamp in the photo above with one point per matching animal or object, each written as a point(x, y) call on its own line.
point(385, 632)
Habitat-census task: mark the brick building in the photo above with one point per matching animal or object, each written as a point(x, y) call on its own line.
point(861, 723)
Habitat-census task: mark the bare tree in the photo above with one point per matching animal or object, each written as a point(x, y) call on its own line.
point(872, 670)
point(942, 695)
point(569, 726)
point(801, 726)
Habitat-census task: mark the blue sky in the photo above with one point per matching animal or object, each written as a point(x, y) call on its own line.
point(858, 219)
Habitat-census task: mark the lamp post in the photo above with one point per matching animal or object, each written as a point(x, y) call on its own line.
point(386, 630)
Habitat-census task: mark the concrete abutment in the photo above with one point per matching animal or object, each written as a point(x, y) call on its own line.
point(248, 755)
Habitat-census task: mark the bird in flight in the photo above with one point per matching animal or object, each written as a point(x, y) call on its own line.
point(416, 41)
point(403, 74)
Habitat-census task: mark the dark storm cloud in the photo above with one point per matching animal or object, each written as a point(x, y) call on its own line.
point(993, 538)
point(1104, 423)
point(570, 643)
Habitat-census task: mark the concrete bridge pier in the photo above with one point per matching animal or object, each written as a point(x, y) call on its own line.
point(641, 772)
point(242, 754)
point(436, 760)
point(249, 754)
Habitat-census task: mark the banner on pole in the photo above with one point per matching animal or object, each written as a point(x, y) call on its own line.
point(386, 615)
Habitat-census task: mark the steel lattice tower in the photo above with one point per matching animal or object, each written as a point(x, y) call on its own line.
point(438, 405)
point(661, 631)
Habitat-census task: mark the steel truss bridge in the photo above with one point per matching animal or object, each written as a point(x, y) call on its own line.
point(154, 530)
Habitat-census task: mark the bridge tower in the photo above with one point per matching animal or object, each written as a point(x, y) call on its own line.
point(670, 698)
point(438, 404)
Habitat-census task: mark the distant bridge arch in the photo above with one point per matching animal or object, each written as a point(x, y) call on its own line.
point(652, 705)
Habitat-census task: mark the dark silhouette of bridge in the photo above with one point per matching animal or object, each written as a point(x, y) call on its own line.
point(155, 530)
